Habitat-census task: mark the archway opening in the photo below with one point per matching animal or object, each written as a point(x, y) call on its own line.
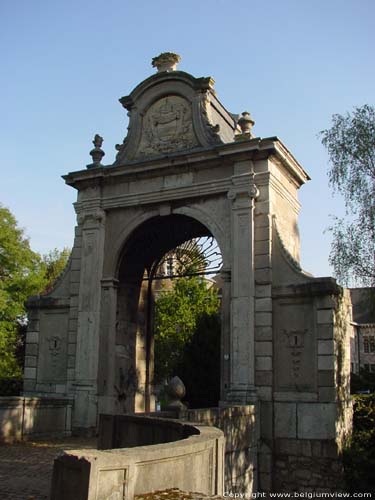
point(163, 258)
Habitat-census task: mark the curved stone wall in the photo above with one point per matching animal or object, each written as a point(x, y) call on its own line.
point(194, 462)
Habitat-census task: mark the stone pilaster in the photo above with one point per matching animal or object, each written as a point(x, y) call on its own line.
point(92, 222)
point(108, 391)
point(225, 333)
point(242, 195)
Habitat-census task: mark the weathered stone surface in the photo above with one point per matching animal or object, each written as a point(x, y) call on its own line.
point(285, 420)
point(187, 170)
point(316, 420)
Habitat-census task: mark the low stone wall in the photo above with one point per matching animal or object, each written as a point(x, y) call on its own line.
point(23, 418)
point(239, 426)
point(307, 465)
point(194, 463)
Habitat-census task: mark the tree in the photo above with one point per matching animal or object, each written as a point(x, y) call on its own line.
point(351, 147)
point(22, 273)
point(199, 366)
point(52, 265)
point(176, 316)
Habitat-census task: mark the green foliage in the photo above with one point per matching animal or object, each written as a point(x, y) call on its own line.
point(351, 147)
point(199, 367)
point(359, 456)
point(22, 273)
point(52, 265)
point(176, 316)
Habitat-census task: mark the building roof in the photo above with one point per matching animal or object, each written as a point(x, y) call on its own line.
point(363, 302)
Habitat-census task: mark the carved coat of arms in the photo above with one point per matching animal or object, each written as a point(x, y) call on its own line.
point(167, 127)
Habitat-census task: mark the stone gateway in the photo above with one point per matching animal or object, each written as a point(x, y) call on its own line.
point(188, 168)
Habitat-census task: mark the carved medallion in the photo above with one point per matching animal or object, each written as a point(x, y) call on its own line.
point(167, 127)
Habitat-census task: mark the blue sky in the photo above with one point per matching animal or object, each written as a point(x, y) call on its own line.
point(292, 64)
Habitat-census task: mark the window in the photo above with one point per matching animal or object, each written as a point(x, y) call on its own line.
point(372, 344)
point(366, 344)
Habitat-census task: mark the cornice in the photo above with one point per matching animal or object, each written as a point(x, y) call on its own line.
point(254, 149)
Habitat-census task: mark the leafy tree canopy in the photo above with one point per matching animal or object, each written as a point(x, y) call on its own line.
point(176, 315)
point(350, 143)
point(22, 273)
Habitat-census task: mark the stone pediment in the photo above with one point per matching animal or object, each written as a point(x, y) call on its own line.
point(171, 112)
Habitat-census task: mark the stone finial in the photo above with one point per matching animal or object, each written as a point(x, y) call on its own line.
point(176, 391)
point(167, 61)
point(246, 122)
point(97, 153)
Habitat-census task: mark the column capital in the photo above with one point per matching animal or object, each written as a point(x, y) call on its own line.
point(91, 216)
point(109, 283)
point(244, 187)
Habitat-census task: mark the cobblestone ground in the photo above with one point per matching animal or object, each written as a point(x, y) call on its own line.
point(26, 468)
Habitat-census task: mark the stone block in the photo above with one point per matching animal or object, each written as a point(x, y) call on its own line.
point(263, 333)
point(264, 393)
point(73, 324)
point(295, 396)
point(316, 420)
point(329, 449)
point(263, 319)
point(74, 288)
point(325, 332)
point(71, 361)
point(75, 276)
point(326, 378)
point(263, 378)
point(263, 348)
point(306, 448)
point(30, 373)
point(70, 374)
point(285, 446)
point(325, 316)
point(263, 363)
point(266, 419)
point(262, 220)
point(263, 305)
point(60, 388)
point(28, 386)
point(326, 362)
point(32, 337)
point(73, 314)
point(30, 361)
point(265, 482)
point(75, 264)
point(72, 337)
point(285, 420)
point(265, 462)
point(263, 276)
point(262, 247)
point(326, 302)
point(76, 252)
point(33, 325)
point(262, 261)
point(31, 350)
point(325, 347)
point(262, 233)
point(73, 302)
point(327, 394)
point(262, 291)
point(72, 349)
point(316, 448)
